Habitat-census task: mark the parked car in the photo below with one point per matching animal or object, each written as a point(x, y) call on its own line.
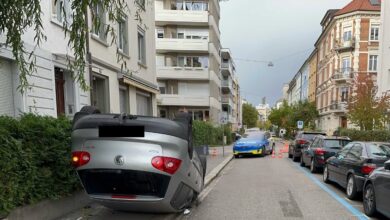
point(137, 163)
point(253, 144)
point(376, 195)
point(354, 163)
point(302, 139)
point(320, 150)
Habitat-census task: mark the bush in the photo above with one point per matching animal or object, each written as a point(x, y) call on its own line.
point(35, 160)
point(205, 133)
point(375, 135)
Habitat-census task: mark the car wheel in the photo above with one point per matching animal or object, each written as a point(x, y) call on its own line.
point(186, 119)
point(325, 176)
point(263, 152)
point(295, 159)
point(203, 160)
point(290, 156)
point(84, 111)
point(302, 162)
point(351, 187)
point(236, 156)
point(313, 168)
point(369, 201)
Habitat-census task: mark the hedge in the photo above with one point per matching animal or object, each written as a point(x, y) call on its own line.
point(35, 160)
point(357, 135)
point(205, 133)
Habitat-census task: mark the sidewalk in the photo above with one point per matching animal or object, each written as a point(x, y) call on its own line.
point(216, 157)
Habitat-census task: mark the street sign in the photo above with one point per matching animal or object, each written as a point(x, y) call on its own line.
point(300, 124)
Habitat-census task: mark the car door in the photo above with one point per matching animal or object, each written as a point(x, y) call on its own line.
point(382, 190)
point(351, 162)
point(334, 163)
point(309, 151)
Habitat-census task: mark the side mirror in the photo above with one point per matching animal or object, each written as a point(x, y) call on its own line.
point(387, 165)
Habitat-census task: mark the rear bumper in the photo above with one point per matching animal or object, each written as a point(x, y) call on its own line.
point(359, 183)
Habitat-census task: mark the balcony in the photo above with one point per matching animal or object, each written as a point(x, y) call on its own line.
point(183, 73)
point(343, 75)
point(227, 100)
point(227, 68)
point(164, 45)
point(183, 100)
point(182, 17)
point(345, 46)
point(338, 107)
point(227, 86)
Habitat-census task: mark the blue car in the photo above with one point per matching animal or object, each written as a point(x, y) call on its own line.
point(252, 146)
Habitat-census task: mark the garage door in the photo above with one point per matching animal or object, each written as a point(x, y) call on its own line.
point(6, 93)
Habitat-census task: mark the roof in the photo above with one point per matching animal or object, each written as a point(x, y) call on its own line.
point(329, 14)
point(360, 5)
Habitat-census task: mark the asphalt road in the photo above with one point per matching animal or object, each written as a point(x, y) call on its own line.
point(257, 188)
point(274, 188)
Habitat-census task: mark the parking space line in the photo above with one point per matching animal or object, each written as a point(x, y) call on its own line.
point(349, 207)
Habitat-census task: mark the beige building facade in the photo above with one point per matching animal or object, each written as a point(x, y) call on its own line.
point(347, 46)
point(312, 76)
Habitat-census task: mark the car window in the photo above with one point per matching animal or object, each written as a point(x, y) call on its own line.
point(355, 152)
point(345, 150)
point(315, 143)
point(309, 137)
point(335, 144)
point(379, 150)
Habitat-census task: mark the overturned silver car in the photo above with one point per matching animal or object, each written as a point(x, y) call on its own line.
point(137, 163)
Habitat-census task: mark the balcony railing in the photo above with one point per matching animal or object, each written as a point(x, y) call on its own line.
point(338, 106)
point(181, 17)
point(183, 100)
point(345, 45)
point(181, 45)
point(176, 72)
point(343, 74)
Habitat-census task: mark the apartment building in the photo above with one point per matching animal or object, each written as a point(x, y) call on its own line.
point(348, 45)
point(188, 58)
point(384, 51)
point(264, 111)
point(295, 89)
point(52, 90)
point(312, 62)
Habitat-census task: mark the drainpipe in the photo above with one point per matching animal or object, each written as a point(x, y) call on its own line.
point(88, 52)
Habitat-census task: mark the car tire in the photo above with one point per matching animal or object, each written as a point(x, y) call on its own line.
point(325, 176)
point(203, 160)
point(295, 159)
point(351, 187)
point(263, 152)
point(369, 200)
point(290, 156)
point(236, 156)
point(313, 168)
point(302, 163)
point(84, 111)
point(186, 119)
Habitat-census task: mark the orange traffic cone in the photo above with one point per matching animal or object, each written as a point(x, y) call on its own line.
point(280, 153)
point(273, 153)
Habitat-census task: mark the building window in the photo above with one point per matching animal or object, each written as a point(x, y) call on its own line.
point(374, 33)
point(347, 36)
point(123, 36)
point(99, 22)
point(163, 113)
point(344, 94)
point(346, 65)
point(144, 103)
point(163, 87)
point(189, 5)
point(62, 9)
point(373, 63)
point(141, 46)
point(100, 93)
point(187, 61)
point(160, 33)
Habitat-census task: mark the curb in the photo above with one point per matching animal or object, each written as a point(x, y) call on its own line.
point(214, 173)
point(53, 208)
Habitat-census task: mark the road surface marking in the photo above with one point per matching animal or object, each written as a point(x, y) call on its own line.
point(342, 201)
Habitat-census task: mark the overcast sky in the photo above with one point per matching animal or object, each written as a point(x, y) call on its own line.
point(283, 31)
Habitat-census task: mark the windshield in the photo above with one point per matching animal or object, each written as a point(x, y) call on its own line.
point(335, 144)
point(309, 137)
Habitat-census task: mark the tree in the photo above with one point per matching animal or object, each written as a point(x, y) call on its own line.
point(18, 16)
point(280, 117)
point(365, 108)
point(249, 115)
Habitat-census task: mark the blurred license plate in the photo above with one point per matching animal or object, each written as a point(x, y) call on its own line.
point(121, 131)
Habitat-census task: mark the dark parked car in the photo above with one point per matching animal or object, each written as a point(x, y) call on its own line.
point(302, 139)
point(376, 195)
point(354, 163)
point(320, 150)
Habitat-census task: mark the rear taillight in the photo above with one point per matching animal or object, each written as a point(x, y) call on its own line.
point(80, 158)
point(166, 164)
point(301, 142)
point(319, 151)
point(368, 168)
